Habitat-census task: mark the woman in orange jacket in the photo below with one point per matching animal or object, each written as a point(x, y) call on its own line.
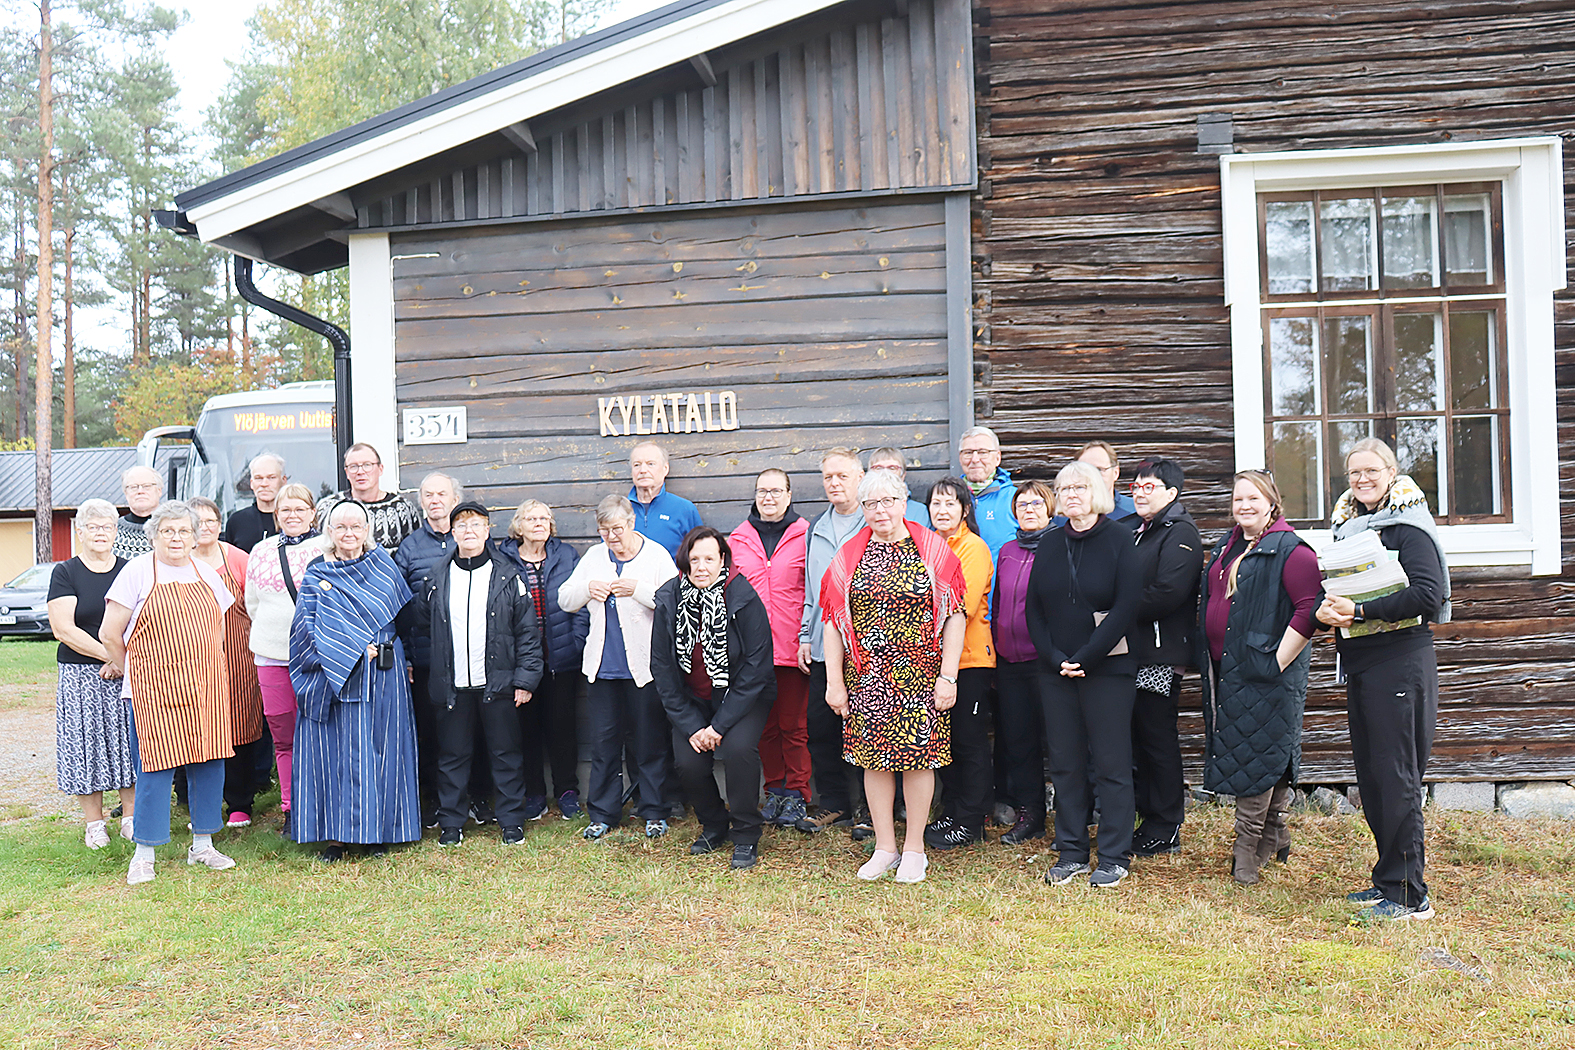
point(967, 781)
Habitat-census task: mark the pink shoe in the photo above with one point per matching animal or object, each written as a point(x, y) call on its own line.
point(880, 863)
point(238, 819)
point(140, 871)
point(96, 836)
point(913, 867)
point(209, 857)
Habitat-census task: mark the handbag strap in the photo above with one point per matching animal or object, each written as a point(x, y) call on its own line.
point(284, 564)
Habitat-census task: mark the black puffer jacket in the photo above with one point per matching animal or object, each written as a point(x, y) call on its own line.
point(751, 675)
point(418, 555)
point(1252, 720)
point(1169, 558)
point(513, 647)
point(563, 634)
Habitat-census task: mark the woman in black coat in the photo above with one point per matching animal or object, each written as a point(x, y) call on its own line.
point(548, 721)
point(711, 659)
point(1082, 592)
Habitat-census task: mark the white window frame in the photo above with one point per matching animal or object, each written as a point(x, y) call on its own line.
point(1531, 171)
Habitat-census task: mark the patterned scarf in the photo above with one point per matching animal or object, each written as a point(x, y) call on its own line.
point(1406, 504)
point(702, 617)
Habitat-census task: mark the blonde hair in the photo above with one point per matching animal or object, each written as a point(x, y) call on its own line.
point(295, 490)
point(517, 522)
point(1379, 448)
point(1263, 481)
point(1100, 499)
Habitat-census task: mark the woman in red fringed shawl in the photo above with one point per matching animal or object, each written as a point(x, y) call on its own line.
point(894, 593)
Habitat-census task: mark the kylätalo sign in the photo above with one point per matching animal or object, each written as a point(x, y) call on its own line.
point(667, 413)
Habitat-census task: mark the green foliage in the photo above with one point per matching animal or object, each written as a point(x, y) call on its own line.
point(168, 393)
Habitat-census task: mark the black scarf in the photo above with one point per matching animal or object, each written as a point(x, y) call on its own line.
point(771, 532)
point(702, 617)
point(1028, 539)
point(290, 541)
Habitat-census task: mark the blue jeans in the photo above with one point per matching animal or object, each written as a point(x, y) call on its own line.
point(150, 822)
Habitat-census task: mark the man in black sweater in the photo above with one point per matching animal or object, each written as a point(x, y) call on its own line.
point(249, 525)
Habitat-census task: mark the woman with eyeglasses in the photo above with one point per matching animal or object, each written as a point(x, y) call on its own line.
point(1391, 673)
point(895, 594)
point(163, 631)
point(1258, 595)
point(1020, 717)
point(1082, 593)
point(1169, 560)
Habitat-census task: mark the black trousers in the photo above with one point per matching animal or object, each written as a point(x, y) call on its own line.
point(969, 777)
point(739, 753)
point(241, 782)
point(426, 734)
point(547, 723)
point(457, 734)
point(1020, 727)
point(1157, 785)
point(1392, 709)
point(838, 785)
point(627, 726)
point(1088, 722)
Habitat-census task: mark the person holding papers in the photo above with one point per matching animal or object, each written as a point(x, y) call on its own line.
point(1391, 676)
point(1258, 596)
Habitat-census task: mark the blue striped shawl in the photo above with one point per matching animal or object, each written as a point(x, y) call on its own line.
point(344, 607)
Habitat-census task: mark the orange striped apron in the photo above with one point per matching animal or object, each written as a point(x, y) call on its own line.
point(175, 660)
point(246, 706)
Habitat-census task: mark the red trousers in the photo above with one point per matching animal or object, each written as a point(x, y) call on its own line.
point(784, 746)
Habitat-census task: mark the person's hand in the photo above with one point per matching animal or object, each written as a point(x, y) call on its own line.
point(622, 587)
point(410, 673)
point(1071, 670)
point(837, 698)
point(1337, 611)
point(599, 590)
point(945, 694)
point(521, 697)
point(803, 657)
point(109, 672)
point(371, 651)
point(704, 740)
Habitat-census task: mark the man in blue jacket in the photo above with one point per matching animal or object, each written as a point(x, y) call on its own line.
point(1101, 455)
point(979, 453)
point(658, 514)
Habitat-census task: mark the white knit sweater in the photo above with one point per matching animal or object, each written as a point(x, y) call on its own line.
point(268, 603)
point(649, 569)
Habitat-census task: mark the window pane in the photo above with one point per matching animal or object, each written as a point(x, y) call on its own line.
point(1467, 257)
point(1298, 470)
point(1416, 362)
point(1348, 259)
point(1289, 242)
point(1476, 479)
point(1348, 356)
point(1292, 363)
point(1416, 447)
point(1341, 437)
point(1472, 359)
point(1410, 242)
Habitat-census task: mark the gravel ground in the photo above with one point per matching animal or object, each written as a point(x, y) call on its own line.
point(27, 755)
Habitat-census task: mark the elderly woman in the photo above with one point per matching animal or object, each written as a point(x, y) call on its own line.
point(1259, 592)
point(355, 734)
point(164, 630)
point(247, 723)
point(1020, 717)
point(1170, 557)
point(895, 595)
point(711, 650)
point(1082, 593)
point(1391, 673)
point(274, 572)
point(769, 549)
point(92, 722)
point(972, 771)
point(547, 722)
point(618, 579)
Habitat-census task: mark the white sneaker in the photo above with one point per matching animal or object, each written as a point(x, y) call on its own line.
point(913, 867)
point(96, 837)
point(140, 871)
point(211, 857)
point(125, 828)
point(880, 863)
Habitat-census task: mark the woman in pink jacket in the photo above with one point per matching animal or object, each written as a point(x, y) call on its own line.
point(768, 548)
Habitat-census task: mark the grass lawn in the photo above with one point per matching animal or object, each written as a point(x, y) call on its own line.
point(25, 663)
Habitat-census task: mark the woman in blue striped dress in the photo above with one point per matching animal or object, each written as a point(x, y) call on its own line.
point(354, 776)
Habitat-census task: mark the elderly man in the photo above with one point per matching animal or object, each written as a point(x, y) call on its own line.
point(840, 474)
point(891, 459)
point(250, 524)
point(393, 516)
point(979, 453)
point(658, 514)
point(143, 488)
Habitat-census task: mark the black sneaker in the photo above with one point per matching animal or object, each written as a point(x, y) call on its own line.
point(1107, 876)
point(483, 814)
point(451, 837)
point(1025, 829)
point(429, 818)
point(708, 842)
point(953, 836)
point(1064, 872)
point(745, 855)
point(332, 854)
point(535, 807)
point(513, 836)
point(862, 828)
point(569, 804)
point(1149, 844)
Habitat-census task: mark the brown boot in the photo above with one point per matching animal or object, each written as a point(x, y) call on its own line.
point(1276, 840)
point(1250, 813)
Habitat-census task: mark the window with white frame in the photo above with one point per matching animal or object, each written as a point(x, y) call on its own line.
point(1403, 293)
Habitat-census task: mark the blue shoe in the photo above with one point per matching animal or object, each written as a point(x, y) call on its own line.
point(595, 831)
point(1388, 911)
point(535, 807)
point(1371, 895)
point(569, 804)
point(772, 809)
point(655, 829)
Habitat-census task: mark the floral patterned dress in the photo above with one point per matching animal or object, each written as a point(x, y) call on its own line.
point(893, 724)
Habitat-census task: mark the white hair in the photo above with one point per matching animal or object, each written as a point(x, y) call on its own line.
point(973, 432)
point(96, 510)
point(170, 508)
point(878, 483)
point(278, 461)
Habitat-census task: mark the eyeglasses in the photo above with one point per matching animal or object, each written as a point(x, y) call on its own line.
point(896, 468)
point(884, 503)
point(1146, 488)
point(176, 534)
point(470, 524)
point(348, 526)
point(356, 468)
point(1072, 490)
point(976, 453)
point(207, 523)
point(142, 486)
point(1366, 473)
point(98, 530)
point(771, 493)
point(1033, 503)
point(613, 530)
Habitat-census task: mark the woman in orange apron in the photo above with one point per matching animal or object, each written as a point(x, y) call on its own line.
point(164, 628)
point(241, 773)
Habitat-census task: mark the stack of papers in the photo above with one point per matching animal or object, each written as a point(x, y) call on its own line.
point(1362, 569)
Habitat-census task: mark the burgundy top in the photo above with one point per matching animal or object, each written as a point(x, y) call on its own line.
point(1300, 578)
point(698, 681)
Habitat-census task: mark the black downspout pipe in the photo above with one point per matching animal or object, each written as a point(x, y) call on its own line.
point(335, 336)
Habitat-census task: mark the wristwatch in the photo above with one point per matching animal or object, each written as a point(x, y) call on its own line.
point(950, 679)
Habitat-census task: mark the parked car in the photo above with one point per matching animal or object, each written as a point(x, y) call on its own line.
point(24, 603)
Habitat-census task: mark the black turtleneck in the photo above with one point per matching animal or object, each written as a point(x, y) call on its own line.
point(771, 532)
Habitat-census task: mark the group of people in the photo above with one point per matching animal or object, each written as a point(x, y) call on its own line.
point(412, 672)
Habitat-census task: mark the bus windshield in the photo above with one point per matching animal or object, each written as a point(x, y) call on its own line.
point(302, 434)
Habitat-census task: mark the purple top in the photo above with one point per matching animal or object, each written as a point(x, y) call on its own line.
point(1300, 578)
point(1009, 609)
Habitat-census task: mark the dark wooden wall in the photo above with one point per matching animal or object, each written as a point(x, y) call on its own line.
point(837, 106)
point(828, 321)
point(1099, 287)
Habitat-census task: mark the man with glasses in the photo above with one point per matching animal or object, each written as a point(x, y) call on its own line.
point(891, 459)
point(249, 525)
point(979, 453)
point(658, 514)
point(1101, 455)
point(392, 515)
point(143, 488)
